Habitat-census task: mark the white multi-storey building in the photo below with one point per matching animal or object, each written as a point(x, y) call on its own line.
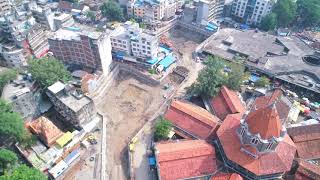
point(251, 11)
point(131, 40)
point(153, 10)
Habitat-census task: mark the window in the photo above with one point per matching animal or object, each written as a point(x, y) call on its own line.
point(144, 51)
point(269, 145)
point(143, 47)
point(242, 131)
point(148, 43)
point(254, 141)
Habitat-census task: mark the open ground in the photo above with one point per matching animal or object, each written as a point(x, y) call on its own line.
point(128, 104)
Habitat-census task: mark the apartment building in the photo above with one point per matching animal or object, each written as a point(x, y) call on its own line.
point(13, 56)
point(153, 10)
point(62, 20)
point(75, 108)
point(82, 46)
point(130, 39)
point(251, 11)
point(209, 10)
point(5, 7)
point(38, 41)
point(44, 16)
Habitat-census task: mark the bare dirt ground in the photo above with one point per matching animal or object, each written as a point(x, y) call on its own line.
point(128, 104)
point(185, 42)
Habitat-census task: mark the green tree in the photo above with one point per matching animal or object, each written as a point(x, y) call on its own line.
point(24, 172)
point(47, 71)
point(162, 129)
point(236, 76)
point(210, 79)
point(262, 82)
point(7, 160)
point(269, 22)
point(285, 11)
point(6, 76)
point(309, 12)
point(28, 140)
point(11, 124)
point(112, 11)
point(91, 15)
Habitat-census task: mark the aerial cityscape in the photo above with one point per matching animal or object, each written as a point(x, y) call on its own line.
point(160, 89)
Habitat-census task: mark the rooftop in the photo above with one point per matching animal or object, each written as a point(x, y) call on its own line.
point(307, 140)
point(307, 169)
point(192, 119)
point(185, 159)
point(229, 176)
point(74, 33)
point(46, 130)
point(226, 102)
point(70, 96)
point(265, 121)
point(279, 56)
point(278, 161)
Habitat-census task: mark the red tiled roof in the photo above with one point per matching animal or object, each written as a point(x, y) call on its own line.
point(277, 161)
point(307, 170)
point(192, 119)
point(282, 108)
point(307, 140)
point(265, 121)
point(227, 102)
point(229, 176)
point(185, 159)
point(46, 130)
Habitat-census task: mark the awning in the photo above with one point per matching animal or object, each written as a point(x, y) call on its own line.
point(63, 140)
point(167, 61)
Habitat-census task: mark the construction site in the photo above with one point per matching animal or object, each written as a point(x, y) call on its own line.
point(132, 99)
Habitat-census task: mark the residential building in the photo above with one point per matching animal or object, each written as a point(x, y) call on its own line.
point(209, 10)
point(75, 108)
point(251, 11)
point(82, 46)
point(62, 20)
point(130, 39)
point(307, 170)
point(5, 7)
point(191, 121)
point(151, 11)
point(225, 103)
point(13, 56)
point(38, 41)
point(44, 16)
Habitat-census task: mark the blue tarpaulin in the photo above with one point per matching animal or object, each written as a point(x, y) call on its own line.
point(209, 29)
point(244, 26)
point(72, 156)
point(152, 161)
point(167, 61)
point(254, 78)
point(212, 26)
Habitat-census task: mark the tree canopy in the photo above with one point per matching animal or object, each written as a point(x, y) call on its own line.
point(7, 160)
point(47, 71)
point(162, 129)
point(112, 11)
point(6, 76)
point(24, 172)
point(309, 12)
point(285, 11)
point(236, 76)
point(11, 123)
point(269, 22)
point(210, 79)
point(90, 15)
point(262, 82)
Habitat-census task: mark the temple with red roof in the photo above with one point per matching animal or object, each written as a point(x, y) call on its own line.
point(249, 145)
point(256, 146)
point(225, 103)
